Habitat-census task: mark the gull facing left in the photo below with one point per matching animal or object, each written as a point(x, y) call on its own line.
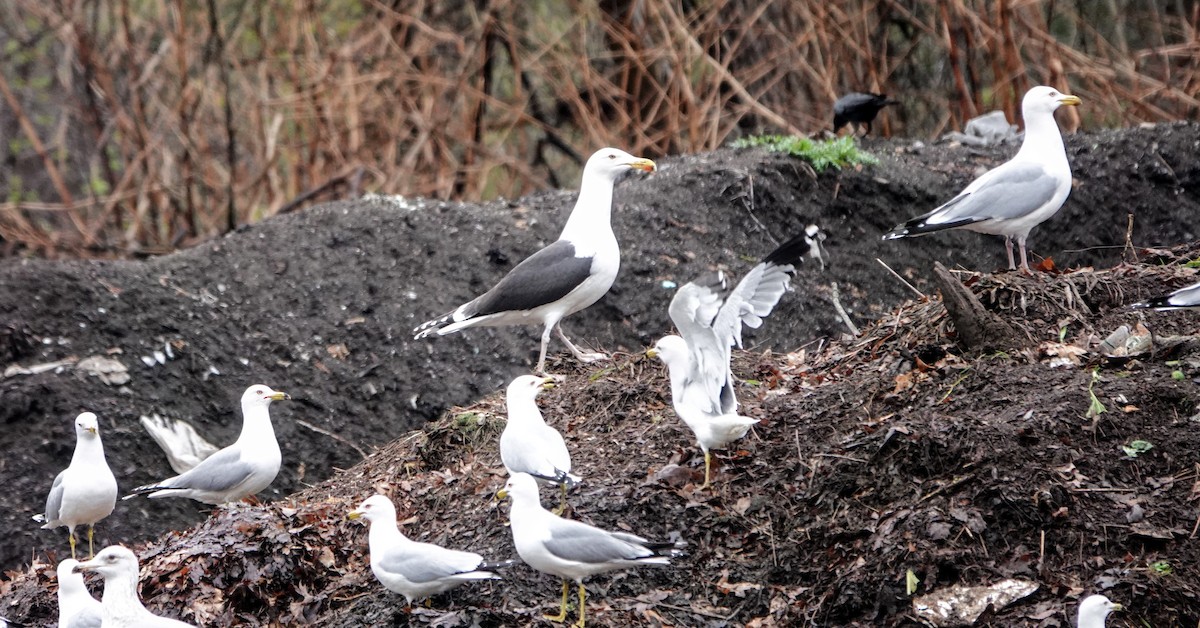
point(242, 469)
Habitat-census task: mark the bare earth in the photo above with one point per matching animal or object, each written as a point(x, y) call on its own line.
point(891, 452)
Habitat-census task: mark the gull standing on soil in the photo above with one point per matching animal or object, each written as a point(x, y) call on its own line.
point(563, 278)
point(1182, 298)
point(122, 608)
point(1094, 610)
point(859, 108)
point(709, 318)
point(86, 491)
point(572, 550)
point(1017, 195)
point(242, 469)
point(527, 444)
point(416, 570)
point(76, 607)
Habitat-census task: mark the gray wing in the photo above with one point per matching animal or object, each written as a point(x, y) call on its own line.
point(428, 562)
point(88, 617)
point(218, 473)
point(579, 542)
point(1012, 190)
point(544, 277)
point(54, 499)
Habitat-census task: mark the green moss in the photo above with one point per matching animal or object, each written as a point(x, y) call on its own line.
point(822, 154)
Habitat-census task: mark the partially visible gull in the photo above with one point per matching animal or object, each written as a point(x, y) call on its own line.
point(1016, 196)
point(185, 448)
point(527, 444)
point(416, 570)
point(86, 491)
point(1182, 298)
point(122, 607)
point(709, 318)
point(242, 469)
point(573, 550)
point(563, 278)
point(859, 108)
point(76, 607)
point(1094, 610)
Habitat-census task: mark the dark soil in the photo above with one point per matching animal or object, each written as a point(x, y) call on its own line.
point(877, 455)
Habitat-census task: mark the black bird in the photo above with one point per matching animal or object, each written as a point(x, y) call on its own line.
point(859, 108)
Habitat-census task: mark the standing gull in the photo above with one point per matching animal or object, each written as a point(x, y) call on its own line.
point(1094, 610)
point(709, 319)
point(1016, 196)
point(1182, 298)
point(242, 469)
point(527, 444)
point(122, 608)
point(563, 278)
point(859, 108)
point(76, 607)
point(416, 570)
point(86, 491)
point(572, 550)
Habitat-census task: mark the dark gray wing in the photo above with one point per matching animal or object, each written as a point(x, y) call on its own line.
point(572, 540)
point(54, 499)
point(544, 277)
point(425, 562)
point(854, 101)
point(1010, 191)
point(218, 473)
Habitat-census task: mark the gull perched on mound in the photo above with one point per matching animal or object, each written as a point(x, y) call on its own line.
point(1016, 196)
point(86, 491)
point(412, 569)
point(76, 607)
point(122, 608)
point(1094, 610)
point(527, 444)
point(709, 318)
point(242, 469)
point(572, 550)
point(563, 278)
point(1182, 298)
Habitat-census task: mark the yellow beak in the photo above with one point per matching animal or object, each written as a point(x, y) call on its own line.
point(642, 164)
point(502, 494)
point(92, 430)
point(353, 514)
point(1068, 99)
point(652, 352)
point(280, 396)
point(1118, 607)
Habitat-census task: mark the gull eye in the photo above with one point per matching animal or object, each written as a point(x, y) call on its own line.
point(611, 157)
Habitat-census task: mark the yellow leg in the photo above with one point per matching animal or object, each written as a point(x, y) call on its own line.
point(71, 537)
point(562, 612)
point(562, 501)
point(91, 532)
point(707, 467)
point(582, 606)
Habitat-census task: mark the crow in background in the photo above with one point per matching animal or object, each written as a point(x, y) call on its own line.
point(859, 108)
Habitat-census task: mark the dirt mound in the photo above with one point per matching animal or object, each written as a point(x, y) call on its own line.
point(877, 456)
point(320, 304)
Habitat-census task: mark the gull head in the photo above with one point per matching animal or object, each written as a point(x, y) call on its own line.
point(1045, 99)
point(374, 508)
point(521, 487)
point(259, 395)
point(66, 574)
point(528, 386)
point(114, 560)
point(610, 163)
point(670, 349)
point(87, 426)
point(1094, 609)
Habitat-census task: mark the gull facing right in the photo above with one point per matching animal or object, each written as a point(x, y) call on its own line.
point(1016, 196)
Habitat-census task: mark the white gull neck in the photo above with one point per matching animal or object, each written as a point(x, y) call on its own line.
point(1043, 141)
point(592, 215)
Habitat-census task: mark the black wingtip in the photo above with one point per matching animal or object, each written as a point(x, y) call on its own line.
point(496, 566)
point(807, 244)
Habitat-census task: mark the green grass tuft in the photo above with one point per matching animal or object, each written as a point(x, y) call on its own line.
point(822, 154)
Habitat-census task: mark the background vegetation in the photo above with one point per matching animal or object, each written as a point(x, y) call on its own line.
point(137, 126)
